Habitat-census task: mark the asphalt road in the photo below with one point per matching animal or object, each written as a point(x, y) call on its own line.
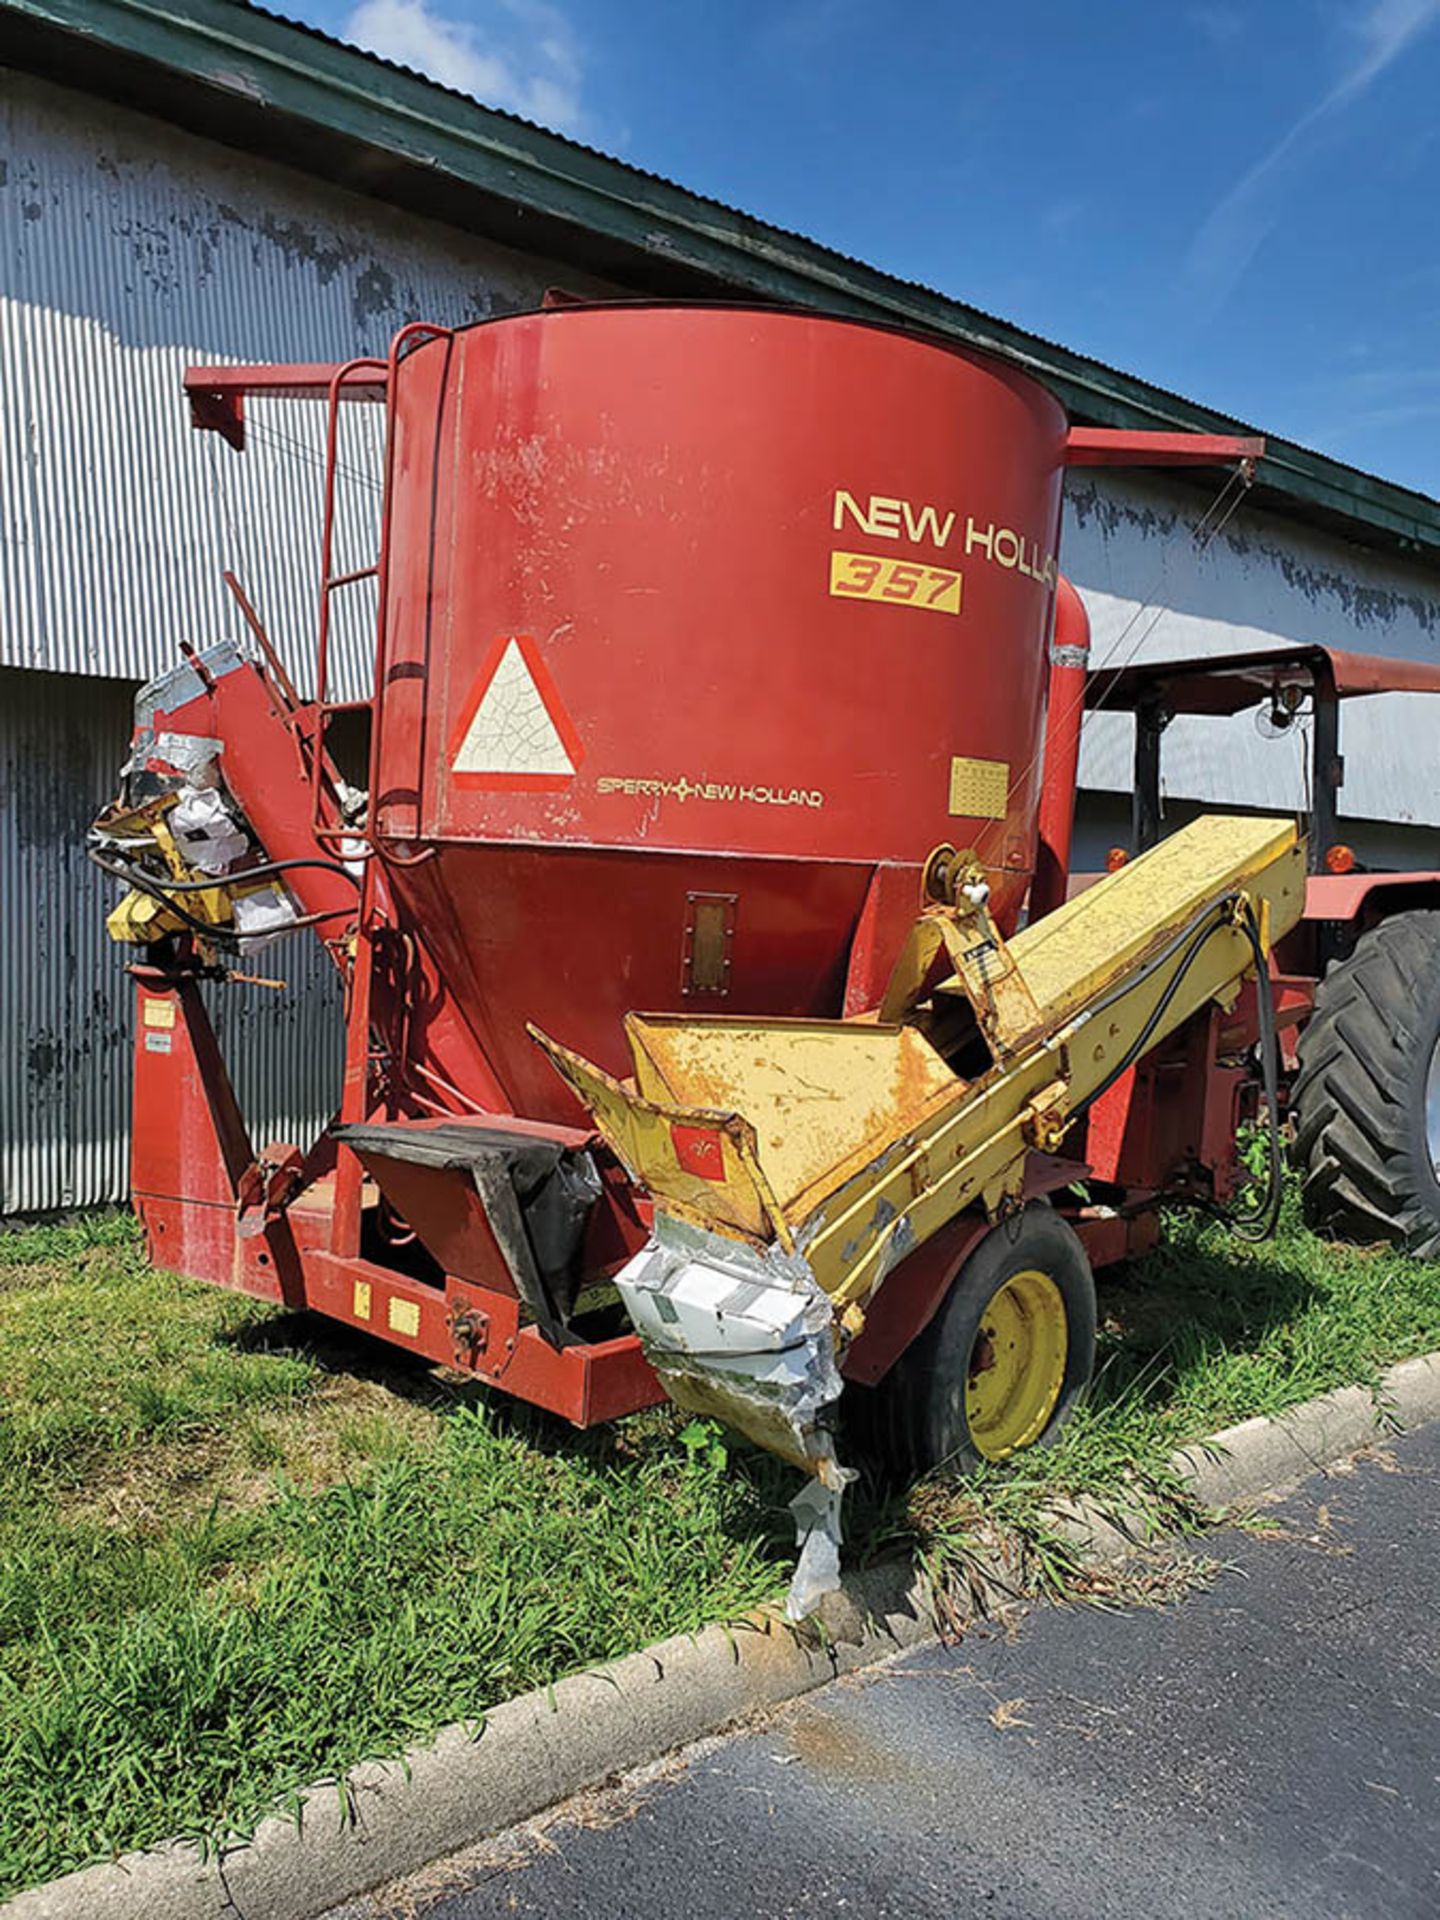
point(1269, 1746)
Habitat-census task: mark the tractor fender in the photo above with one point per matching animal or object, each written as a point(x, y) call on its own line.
point(1362, 899)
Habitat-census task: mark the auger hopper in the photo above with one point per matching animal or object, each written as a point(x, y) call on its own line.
point(795, 1164)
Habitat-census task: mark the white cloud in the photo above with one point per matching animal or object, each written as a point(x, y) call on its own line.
point(518, 54)
point(1237, 225)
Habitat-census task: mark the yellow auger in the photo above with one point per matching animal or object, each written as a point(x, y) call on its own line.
point(794, 1163)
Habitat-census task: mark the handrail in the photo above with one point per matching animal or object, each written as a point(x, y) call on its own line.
point(413, 331)
point(329, 582)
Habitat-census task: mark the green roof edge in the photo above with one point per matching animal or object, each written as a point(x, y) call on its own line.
point(264, 61)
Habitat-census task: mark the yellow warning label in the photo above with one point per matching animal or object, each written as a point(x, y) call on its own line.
point(979, 788)
point(903, 583)
point(360, 1300)
point(404, 1317)
point(159, 1013)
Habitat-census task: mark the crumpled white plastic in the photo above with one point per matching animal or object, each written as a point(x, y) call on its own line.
point(818, 1535)
point(188, 754)
point(756, 1332)
point(267, 913)
point(206, 831)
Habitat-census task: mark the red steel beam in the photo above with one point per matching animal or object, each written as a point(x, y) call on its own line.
point(217, 394)
point(1118, 447)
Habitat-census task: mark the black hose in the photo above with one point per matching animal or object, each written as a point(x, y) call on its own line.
point(157, 890)
point(250, 873)
point(1216, 918)
point(119, 870)
point(1260, 1222)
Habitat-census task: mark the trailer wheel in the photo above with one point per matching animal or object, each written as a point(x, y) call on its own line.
point(1367, 1097)
point(1004, 1360)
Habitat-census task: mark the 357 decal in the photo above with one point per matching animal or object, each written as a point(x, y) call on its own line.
point(904, 583)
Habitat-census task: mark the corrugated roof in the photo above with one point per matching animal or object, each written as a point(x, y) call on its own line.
point(253, 78)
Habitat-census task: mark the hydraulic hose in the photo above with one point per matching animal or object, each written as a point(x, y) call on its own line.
point(262, 872)
point(1259, 1222)
point(120, 870)
point(1211, 921)
point(159, 890)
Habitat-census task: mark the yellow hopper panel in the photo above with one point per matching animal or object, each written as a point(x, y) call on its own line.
point(854, 1141)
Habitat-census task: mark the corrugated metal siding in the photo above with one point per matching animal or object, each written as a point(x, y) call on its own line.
point(129, 251)
point(65, 999)
point(1128, 541)
point(285, 1049)
point(64, 1067)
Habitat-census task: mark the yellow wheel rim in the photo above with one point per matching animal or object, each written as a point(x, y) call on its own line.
point(1017, 1365)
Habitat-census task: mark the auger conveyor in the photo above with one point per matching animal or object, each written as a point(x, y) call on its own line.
point(794, 1163)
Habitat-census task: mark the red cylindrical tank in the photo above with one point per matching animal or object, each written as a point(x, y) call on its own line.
point(697, 620)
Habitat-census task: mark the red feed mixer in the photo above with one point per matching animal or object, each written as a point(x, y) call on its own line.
point(700, 631)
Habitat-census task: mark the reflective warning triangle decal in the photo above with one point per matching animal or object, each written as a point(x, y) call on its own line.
point(514, 732)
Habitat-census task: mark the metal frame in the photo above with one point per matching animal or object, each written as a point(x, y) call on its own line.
point(1327, 773)
point(1229, 683)
point(192, 1159)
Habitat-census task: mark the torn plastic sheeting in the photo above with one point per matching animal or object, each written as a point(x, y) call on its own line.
point(556, 1211)
point(750, 1336)
point(818, 1534)
point(206, 831)
point(183, 753)
point(263, 916)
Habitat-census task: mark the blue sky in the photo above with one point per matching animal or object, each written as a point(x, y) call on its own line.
point(1240, 202)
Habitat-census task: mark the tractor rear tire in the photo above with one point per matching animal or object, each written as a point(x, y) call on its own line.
point(1003, 1362)
point(1366, 1100)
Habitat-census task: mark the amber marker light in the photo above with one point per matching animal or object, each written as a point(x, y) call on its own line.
point(1116, 858)
point(1340, 859)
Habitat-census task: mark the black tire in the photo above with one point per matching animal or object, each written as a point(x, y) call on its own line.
point(917, 1418)
point(1359, 1100)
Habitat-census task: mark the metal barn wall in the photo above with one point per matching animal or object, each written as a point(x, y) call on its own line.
point(1129, 546)
point(129, 250)
point(65, 998)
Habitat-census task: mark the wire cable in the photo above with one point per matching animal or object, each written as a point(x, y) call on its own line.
point(1203, 535)
point(296, 449)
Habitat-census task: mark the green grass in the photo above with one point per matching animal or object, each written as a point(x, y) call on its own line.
point(239, 1552)
point(1205, 1332)
point(231, 1563)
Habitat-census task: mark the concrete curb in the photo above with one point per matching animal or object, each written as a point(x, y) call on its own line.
point(1259, 1456)
point(533, 1752)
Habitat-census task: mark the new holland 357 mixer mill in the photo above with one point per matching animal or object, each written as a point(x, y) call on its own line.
point(706, 637)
